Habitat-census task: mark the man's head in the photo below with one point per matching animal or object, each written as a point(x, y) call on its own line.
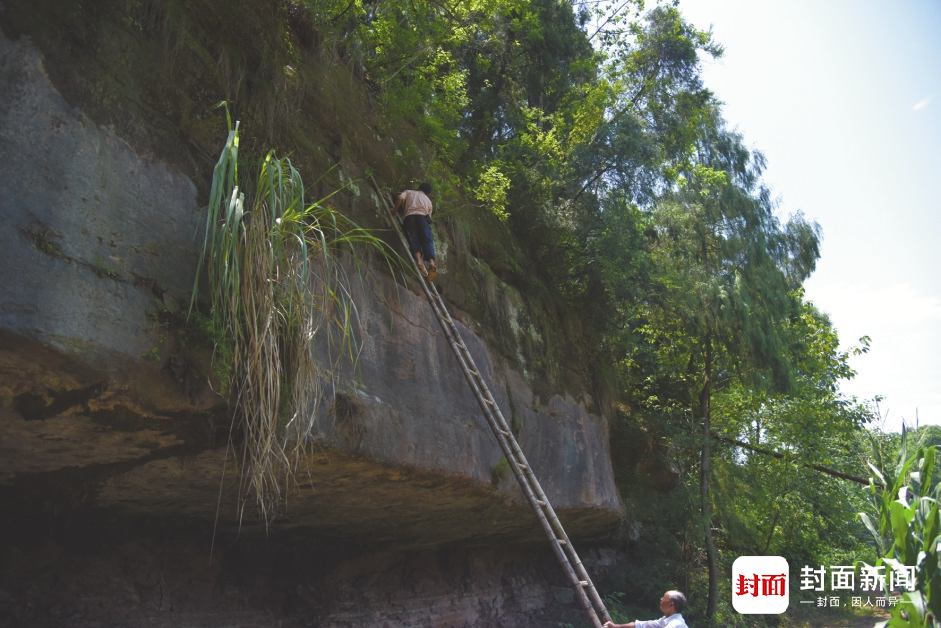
point(426, 188)
point(672, 602)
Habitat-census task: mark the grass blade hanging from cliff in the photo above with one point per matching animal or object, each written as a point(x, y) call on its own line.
point(276, 288)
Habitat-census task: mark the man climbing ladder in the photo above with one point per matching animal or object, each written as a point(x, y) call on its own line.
point(416, 223)
point(585, 593)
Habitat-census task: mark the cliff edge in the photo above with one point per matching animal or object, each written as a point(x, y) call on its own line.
point(116, 465)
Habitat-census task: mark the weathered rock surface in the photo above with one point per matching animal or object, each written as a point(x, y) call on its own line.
point(112, 450)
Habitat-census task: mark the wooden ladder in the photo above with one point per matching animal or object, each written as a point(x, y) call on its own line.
point(585, 592)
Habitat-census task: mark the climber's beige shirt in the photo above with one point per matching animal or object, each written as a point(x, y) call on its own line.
point(415, 202)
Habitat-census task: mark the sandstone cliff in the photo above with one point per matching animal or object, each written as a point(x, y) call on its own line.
point(115, 481)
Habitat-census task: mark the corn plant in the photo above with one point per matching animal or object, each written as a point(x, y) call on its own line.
point(908, 533)
point(281, 303)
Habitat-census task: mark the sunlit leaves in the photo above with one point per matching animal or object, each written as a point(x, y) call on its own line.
point(491, 189)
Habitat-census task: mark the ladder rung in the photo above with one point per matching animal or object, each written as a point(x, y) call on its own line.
point(523, 466)
point(475, 373)
point(488, 402)
point(584, 583)
point(561, 542)
point(543, 504)
point(505, 433)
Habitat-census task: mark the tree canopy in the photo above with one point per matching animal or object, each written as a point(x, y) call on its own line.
point(581, 138)
point(587, 133)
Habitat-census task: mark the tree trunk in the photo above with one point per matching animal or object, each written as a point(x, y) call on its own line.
point(705, 474)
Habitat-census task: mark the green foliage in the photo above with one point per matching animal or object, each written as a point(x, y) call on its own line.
point(619, 611)
point(491, 189)
point(500, 472)
point(907, 532)
point(204, 329)
point(576, 150)
point(276, 287)
point(102, 269)
point(723, 345)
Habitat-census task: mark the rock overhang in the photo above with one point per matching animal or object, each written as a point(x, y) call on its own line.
point(96, 415)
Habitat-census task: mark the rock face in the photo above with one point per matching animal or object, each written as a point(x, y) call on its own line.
point(115, 476)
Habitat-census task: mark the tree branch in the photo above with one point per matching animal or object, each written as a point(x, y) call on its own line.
point(780, 456)
point(613, 15)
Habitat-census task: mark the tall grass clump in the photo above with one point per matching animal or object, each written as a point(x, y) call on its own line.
point(281, 307)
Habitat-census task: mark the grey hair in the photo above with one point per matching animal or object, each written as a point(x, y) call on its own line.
point(678, 599)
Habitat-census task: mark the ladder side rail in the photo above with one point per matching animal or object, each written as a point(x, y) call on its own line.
point(517, 450)
point(457, 345)
point(466, 361)
point(539, 493)
point(585, 600)
point(511, 449)
point(589, 600)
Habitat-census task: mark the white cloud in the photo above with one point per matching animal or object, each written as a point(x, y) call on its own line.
point(921, 104)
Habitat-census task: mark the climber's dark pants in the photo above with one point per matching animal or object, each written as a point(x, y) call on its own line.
point(418, 233)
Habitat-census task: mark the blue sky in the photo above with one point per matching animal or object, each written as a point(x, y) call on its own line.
point(844, 99)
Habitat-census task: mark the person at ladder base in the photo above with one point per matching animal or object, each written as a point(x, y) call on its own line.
point(671, 604)
point(417, 226)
